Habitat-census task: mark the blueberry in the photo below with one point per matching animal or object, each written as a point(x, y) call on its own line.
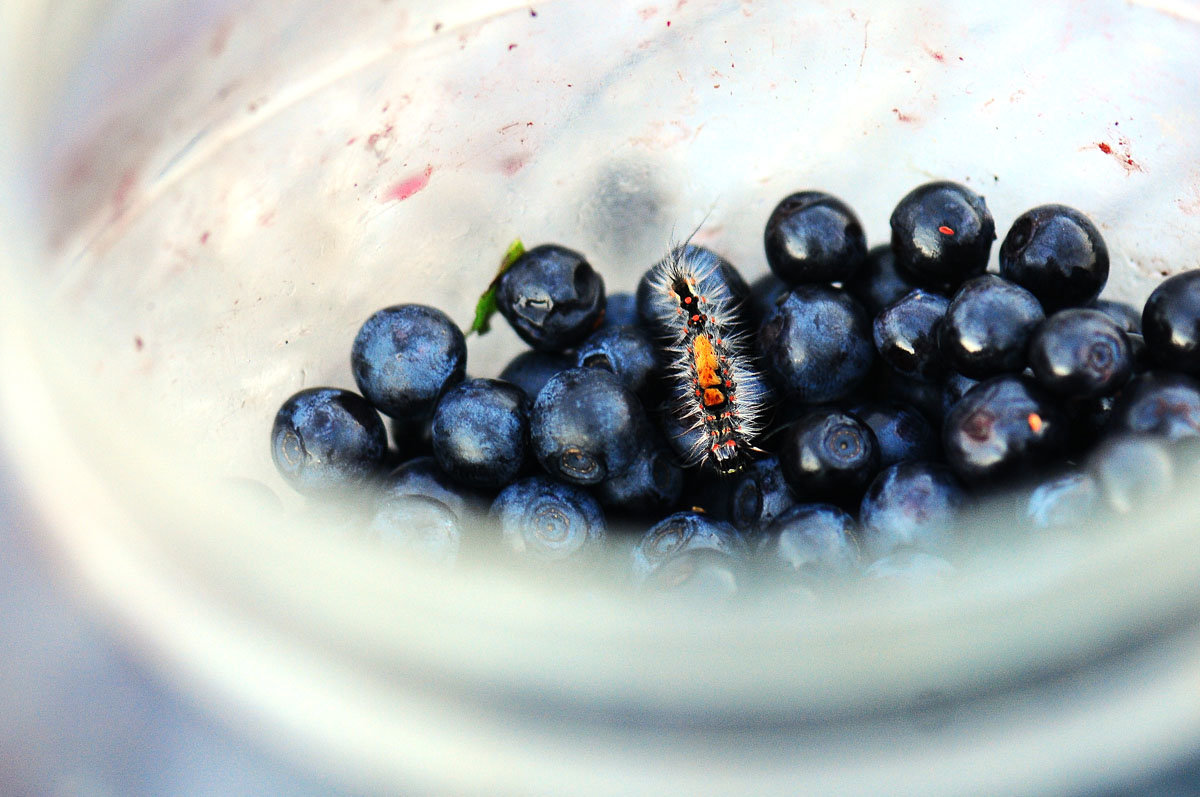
point(658, 311)
point(1128, 318)
point(420, 525)
point(954, 388)
point(620, 310)
point(879, 283)
point(481, 432)
point(913, 568)
point(942, 234)
point(1133, 471)
point(586, 426)
point(422, 477)
point(1069, 499)
point(816, 344)
point(1138, 352)
point(987, 328)
point(531, 370)
point(905, 335)
point(912, 504)
point(625, 351)
point(814, 237)
point(551, 297)
point(1161, 403)
point(1171, 323)
point(679, 533)
point(652, 484)
point(829, 455)
point(405, 357)
point(887, 384)
point(1080, 353)
point(903, 433)
point(700, 577)
point(326, 440)
point(813, 541)
point(764, 293)
point(548, 521)
point(1057, 253)
point(1001, 427)
point(760, 495)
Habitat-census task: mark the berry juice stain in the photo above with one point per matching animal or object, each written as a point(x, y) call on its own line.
point(407, 187)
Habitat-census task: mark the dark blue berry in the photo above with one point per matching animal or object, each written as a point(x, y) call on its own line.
point(652, 484)
point(829, 455)
point(547, 521)
point(1139, 353)
point(417, 524)
point(1134, 471)
point(620, 310)
point(1001, 427)
point(1056, 253)
point(1067, 500)
point(658, 311)
point(421, 476)
point(879, 283)
point(1171, 323)
point(1128, 317)
point(326, 441)
point(954, 388)
point(814, 237)
point(1080, 353)
point(481, 432)
point(816, 344)
point(912, 504)
point(905, 334)
point(1160, 403)
point(813, 541)
point(903, 433)
point(764, 293)
point(760, 495)
point(531, 370)
point(586, 426)
point(625, 351)
point(987, 327)
point(552, 297)
point(679, 533)
point(887, 384)
point(405, 357)
point(942, 234)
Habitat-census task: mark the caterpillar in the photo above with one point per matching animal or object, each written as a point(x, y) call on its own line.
point(716, 393)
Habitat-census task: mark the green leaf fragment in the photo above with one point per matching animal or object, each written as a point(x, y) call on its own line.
point(485, 308)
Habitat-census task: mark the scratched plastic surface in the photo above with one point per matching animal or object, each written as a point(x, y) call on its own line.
point(223, 192)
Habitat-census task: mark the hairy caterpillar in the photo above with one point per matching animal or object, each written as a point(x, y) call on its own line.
point(717, 395)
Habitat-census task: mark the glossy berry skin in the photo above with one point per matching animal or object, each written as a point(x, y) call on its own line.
point(422, 477)
point(878, 282)
point(620, 310)
point(812, 236)
point(1171, 323)
point(586, 426)
point(1057, 254)
point(1127, 317)
point(910, 505)
point(813, 541)
point(419, 525)
point(764, 293)
point(680, 533)
point(625, 351)
point(552, 297)
point(903, 433)
point(987, 327)
point(531, 370)
point(658, 312)
point(405, 357)
point(327, 441)
point(1159, 403)
point(481, 432)
point(1133, 471)
point(816, 344)
point(906, 335)
point(942, 234)
point(830, 456)
point(1070, 499)
point(760, 495)
point(1002, 427)
point(546, 521)
point(1080, 353)
point(652, 484)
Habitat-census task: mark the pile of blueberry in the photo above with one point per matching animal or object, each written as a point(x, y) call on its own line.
point(903, 383)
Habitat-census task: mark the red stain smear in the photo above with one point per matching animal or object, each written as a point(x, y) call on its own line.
point(936, 55)
point(350, 141)
point(512, 47)
point(901, 116)
point(373, 139)
point(267, 218)
point(944, 230)
point(138, 343)
point(120, 198)
point(407, 187)
point(216, 45)
point(511, 166)
point(1105, 148)
point(668, 23)
point(204, 238)
point(646, 13)
point(1121, 154)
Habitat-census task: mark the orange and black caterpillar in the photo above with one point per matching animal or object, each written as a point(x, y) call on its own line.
point(716, 391)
